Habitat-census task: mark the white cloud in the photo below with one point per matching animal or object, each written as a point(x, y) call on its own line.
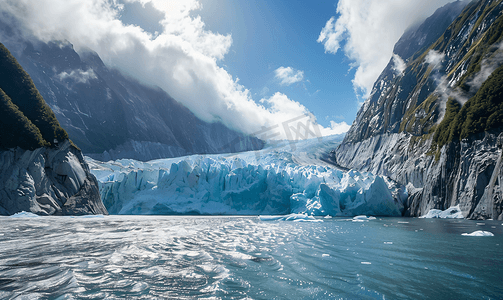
point(288, 75)
point(488, 66)
point(78, 75)
point(398, 64)
point(367, 31)
point(434, 58)
point(447, 89)
point(182, 59)
point(335, 128)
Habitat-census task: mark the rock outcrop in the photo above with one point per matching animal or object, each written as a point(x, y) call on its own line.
point(48, 181)
point(401, 131)
point(41, 171)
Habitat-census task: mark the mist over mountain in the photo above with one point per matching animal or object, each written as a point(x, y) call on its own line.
point(434, 118)
point(112, 116)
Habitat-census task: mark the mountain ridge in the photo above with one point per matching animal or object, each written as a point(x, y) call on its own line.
point(111, 116)
point(399, 130)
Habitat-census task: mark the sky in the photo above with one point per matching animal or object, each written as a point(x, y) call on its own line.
point(248, 64)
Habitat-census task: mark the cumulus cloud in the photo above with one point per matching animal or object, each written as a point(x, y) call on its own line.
point(182, 59)
point(367, 31)
point(288, 75)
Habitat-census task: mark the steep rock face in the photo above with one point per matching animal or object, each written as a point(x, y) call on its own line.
point(398, 132)
point(41, 171)
point(48, 181)
point(468, 173)
point(111, 116)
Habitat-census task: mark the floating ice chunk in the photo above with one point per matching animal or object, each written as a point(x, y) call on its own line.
point(24, 214)
point(328, 217)
point(363, 218)
point(293, 217)
point(479, 233)
point(453, 212)
point(308, 220)
point(290, 217)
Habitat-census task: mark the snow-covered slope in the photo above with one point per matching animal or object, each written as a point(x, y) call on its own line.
point(291, 177)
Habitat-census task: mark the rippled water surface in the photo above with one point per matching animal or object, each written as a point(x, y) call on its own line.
point(118, 257)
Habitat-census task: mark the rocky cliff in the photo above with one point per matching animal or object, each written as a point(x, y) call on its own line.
point(48, 181)
point(436, 125)
point(41, 171)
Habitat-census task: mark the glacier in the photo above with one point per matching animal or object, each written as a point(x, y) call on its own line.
point(283, 178)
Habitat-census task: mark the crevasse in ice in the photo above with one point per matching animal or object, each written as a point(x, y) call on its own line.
point(280, 179)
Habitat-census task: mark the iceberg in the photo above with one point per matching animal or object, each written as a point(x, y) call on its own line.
point(363, 218)
point(283, 178)
point(453, 212)
point(479, 233)
point(24, 214)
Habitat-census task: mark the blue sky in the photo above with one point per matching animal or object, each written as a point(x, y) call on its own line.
point(247, 64)
point(268, 35)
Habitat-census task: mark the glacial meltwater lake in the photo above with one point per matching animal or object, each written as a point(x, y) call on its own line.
point(222, 257)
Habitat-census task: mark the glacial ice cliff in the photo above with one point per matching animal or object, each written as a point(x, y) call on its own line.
point(292, 178)
point(48, 181)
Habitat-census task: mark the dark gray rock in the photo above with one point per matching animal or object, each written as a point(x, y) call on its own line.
point(48, 181)
point(468, 174)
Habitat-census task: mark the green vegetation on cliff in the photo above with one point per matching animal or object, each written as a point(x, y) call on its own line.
point(483, 112)
point(26, 120)
point(16, 128)
point(442, 132)
point(476, 37)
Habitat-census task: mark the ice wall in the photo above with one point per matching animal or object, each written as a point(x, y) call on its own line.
point(276, 180)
